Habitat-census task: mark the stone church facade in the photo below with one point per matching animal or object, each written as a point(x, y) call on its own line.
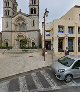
point(18, 25)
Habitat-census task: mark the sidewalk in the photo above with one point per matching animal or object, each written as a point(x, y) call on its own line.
point(11, 64)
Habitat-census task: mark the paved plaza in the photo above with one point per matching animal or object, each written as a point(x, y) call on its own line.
point(28, 72)
point(15, 63)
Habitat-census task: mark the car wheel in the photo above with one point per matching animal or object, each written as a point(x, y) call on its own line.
point(68, 78)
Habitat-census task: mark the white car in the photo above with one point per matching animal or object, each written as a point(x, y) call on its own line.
point(67, 68)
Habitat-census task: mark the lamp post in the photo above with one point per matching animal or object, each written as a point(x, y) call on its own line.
point(45, 15)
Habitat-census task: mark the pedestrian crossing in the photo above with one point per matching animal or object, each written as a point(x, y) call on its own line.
point(48, 78)
point(4, 86)
point(23, 85)
point(40, 80)
point(36, 81)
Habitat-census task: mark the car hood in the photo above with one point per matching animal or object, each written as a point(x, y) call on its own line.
point(56, 66)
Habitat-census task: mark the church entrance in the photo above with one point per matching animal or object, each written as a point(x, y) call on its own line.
point(6, 44)
point(23, 43)
point(33, 44)
point(19, 42)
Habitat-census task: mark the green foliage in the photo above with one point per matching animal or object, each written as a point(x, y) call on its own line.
point(29, 47)
point(3, 47)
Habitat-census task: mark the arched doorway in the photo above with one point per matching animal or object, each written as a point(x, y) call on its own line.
point(19, 40)
point(6, 44)
point(33, 44)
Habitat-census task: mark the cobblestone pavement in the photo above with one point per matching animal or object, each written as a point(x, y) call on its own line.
point(40, 80)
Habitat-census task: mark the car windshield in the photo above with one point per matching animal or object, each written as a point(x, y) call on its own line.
point(66, 61)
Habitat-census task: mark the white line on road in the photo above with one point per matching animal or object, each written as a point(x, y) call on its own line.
point(72, 83)
point(23, 85)
point(48, 78)
point(76, 84)
point(4, 86)
point(36, 81)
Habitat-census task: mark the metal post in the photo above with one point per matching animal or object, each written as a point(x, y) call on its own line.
point(44, 36)
point(45, 15)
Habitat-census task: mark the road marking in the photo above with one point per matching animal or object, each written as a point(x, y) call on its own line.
point(23, 85)
point(72, 83)
point(76, 84)
point(36, 81)
point(48, 78)
point(4, 86)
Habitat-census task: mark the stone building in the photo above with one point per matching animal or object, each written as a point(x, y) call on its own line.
point(18, 25)
point(0, 39)
point(65, 33)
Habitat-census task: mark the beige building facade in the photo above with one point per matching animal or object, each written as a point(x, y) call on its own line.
point(65, 33)
point(0, 39)
point(18, 25)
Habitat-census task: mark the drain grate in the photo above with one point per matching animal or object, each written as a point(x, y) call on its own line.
point(30, 56)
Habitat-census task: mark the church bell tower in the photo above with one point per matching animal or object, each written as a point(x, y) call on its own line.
point(34, 14)
point(9, 10)
point(34, 19)
point(34, 7)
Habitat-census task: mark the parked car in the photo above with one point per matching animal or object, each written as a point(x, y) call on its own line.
point(67, 68)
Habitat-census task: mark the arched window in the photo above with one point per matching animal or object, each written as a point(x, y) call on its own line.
point(33, 10)
point(6, 24)
point(33, 23)
point(6, 3)
point(5, 12)
point(33, 1)
point(8, 12)
point(22, 27)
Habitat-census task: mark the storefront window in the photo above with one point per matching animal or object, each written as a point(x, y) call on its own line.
point(60, 45)
point(70, 44)
point(79, 44)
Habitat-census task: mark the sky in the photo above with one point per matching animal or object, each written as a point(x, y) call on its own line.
point(56, 8)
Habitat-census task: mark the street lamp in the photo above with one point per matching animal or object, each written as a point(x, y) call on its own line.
point(45, 15)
